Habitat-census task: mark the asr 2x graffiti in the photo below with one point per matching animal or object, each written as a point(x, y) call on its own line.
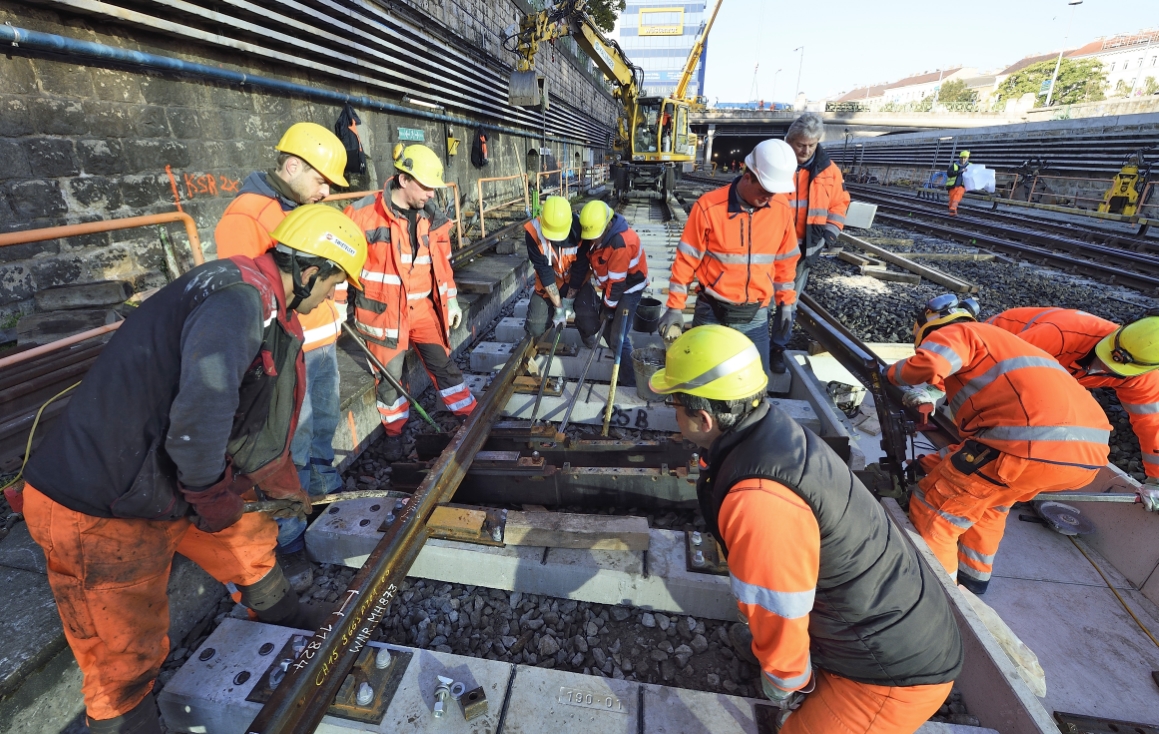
point(201, 184)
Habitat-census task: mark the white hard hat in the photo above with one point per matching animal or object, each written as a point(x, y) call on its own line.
point(774, 163)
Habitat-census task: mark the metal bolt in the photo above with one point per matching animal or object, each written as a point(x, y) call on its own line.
point(695, 458)
point(497, 534)
point(535, 454)
point(441, 694)
point(698, 559)
point(365, 694)
point(696, 539)
point(389, 518)
point(382, 659)
point(298, 644)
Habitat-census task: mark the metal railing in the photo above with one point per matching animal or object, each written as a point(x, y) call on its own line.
point(484, 208)
point(109, 225)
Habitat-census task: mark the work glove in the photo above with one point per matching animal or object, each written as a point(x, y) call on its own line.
point(786, 701)
point(787, 313)
point(281, 482)
point(671, 325)
point(1149, 493)
point(219, 505)
point(564, 311)
point(454, 313)
point(920, 395)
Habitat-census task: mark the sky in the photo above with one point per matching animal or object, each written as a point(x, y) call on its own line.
point(853, 43)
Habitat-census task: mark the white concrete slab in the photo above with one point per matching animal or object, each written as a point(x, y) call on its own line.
point(681, 711)
point(1033, 552)
point(545, 700)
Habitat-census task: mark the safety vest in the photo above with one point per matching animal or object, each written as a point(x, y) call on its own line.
point(380, 309)
point(244, 229)
point(1070, 336)
point(1009, 395)
point(879, 615)
point(619, 266)
point(559, 258)
point(954, 174)
point(820, 199)
point(737, 255)
point(106, 455)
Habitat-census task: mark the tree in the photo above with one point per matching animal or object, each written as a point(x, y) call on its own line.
point(1078, 81)
point(955, 95)
point(1122, 89)
point(605, 12)
point(1150, 86)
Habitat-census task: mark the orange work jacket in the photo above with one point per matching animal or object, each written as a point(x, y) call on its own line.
point(1010, 395)
point(619, 264)
point(561, 257)
point(1070, 337)
point(820, 200)
point(245, 229)
point(380, 310)
point(738, 255)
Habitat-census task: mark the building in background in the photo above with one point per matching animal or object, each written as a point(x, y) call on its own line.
point(1125, 57)
point(657, 36)
point(904, 92)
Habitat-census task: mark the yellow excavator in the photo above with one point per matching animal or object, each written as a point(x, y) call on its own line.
point(652, 134)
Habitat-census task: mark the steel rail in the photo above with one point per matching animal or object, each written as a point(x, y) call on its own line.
point(301, 701)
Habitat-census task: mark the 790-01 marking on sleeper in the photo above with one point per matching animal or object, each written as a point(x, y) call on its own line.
point(587, 699)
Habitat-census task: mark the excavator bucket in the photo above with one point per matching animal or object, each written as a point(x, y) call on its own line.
point(527, 89)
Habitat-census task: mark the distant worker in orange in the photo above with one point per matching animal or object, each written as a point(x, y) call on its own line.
point(1026, 426)
point(1101, 353)
point(554, 247)
point(956, 182)
point(852, 631)
point(409, 298)
point(740, 245)
point(819, 203)
point(311, 159)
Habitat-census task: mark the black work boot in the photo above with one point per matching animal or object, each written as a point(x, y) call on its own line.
point(394, 448)
point(143, 719)
point(777, 360)
point(978, 588)
point(741, 638)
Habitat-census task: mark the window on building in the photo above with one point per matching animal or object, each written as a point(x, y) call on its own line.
point(1113, 65)
point(1154, 59)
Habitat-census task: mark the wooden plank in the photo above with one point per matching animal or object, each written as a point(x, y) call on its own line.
point(569, 530)
point(889, 241)
point(852, 258)
point(82, 295)
point(891, 275)
point(937, 276)
point(457, 523)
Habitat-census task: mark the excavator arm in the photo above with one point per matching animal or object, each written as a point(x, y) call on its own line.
point(695, 52)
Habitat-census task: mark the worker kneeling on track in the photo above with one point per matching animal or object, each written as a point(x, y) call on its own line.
point(1101, 353)
point(409, 297)
point(311, 159)
point(553, 246)
point(1026, 427)
point(740, 244)
point(804, 537)
point(189, 409)
point(619, 275)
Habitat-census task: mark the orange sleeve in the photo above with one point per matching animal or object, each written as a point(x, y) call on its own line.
point(940, 355)
point(1139, 396)
point(240, 234)
point(689, 253)
point(774, 552)
point(785, 266)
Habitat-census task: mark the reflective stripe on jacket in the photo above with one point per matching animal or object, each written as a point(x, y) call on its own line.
point(820, 200)
point(245, 229)
point(559, 257)
point(737, 255)
point(380, 311)
point(619, 265)
point(1010, 395)
point(1070, 336)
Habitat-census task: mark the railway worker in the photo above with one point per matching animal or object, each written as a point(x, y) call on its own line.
point(619, 275)
point(311, 159)
point(1101, 353)
point(956, 182)
point(554, 247)
point(819, 203)
point(801, 532)
point(190, 406)
point(409, 298)
point(1026, 427)
point(740, 244)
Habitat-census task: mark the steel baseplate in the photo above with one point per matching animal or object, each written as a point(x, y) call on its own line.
point(1080, 724)
point(383, 681)
point(528, 385)
point(703, 554)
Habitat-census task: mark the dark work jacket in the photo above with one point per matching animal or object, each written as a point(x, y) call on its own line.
point(880, 615)
point(546, 273)
point(106, 455)
point(954, 175)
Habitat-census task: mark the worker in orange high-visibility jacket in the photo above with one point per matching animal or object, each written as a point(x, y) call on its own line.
point(819, 203)
point(1101, 353)
point(409, 297)
point(554, 248)
point(619, 275)
point(852, 631)
point(1026, 426)
point(956, 181)
point(311, 159)
point(740, 244)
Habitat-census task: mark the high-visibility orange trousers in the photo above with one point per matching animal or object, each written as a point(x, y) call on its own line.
point(109, 578)
point(956, 195)
point(841, 706)
point(962, 517)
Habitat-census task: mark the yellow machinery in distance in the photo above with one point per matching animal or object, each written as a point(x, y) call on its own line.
point(652, 133)
point(1126, 193)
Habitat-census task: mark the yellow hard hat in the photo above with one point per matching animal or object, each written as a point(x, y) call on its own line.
point(964, 154)
point(1132, 349)
point(323, 231)
point(317, 146)
point(944, 309)
point(594, 218)
point(714, 362)
point(556, 218)
point(420, 163)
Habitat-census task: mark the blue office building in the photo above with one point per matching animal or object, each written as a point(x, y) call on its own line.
point(657, 36)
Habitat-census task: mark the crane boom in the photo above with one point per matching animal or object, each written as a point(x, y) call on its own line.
point(694, 54)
